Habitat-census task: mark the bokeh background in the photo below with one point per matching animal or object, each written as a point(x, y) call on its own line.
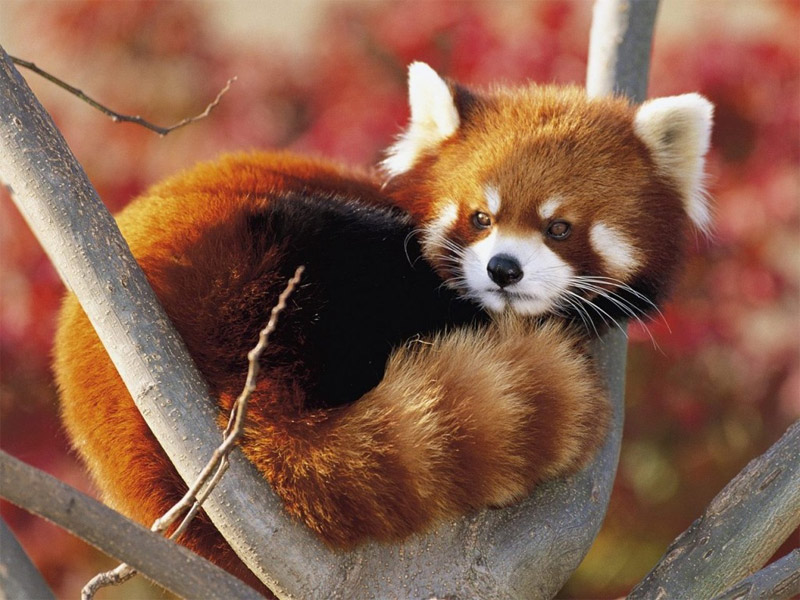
point(716, 384)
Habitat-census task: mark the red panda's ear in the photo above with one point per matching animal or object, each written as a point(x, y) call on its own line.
point(677, 130)
point(434, 118)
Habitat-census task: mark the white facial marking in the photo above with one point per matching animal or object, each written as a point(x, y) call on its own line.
point(545, 275)
point(619, 255)
point(492, 199)
point(549, 208)
point(435, 231)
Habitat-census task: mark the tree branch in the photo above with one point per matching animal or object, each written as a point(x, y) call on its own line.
point(529, 551)
point(18, 577)
point(778, 581)
point(619, 48)
point(742, 527)
point(84, 244)
point(161, 560)
point(211, 474)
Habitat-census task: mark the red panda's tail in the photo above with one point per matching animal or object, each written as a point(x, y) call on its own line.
point(469, 419)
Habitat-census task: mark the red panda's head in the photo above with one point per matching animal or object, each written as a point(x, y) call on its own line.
point(542, 200)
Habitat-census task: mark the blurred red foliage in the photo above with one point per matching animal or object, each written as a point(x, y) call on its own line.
point(711, 384)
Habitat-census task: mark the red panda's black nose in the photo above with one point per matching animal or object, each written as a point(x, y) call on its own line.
point(504, 270)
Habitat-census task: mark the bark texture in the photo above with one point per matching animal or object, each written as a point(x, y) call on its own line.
point(19, 578)
point(172, 566)
point(739, 531)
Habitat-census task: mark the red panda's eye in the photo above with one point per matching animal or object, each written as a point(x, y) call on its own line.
point(559, 230)
point(481, 220)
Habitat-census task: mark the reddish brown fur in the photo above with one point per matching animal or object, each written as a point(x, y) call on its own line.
point(541, 142)
point(458, 423)
point(471, 419)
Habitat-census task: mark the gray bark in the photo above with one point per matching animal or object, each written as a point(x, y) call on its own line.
point(742, 527)
point(778, 581)
point(619, 48)
point(19, 579)
point(171, 566)
point(525, 551)
point(751, 517)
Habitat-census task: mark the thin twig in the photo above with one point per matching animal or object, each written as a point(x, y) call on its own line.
point(115, 116)
point(172, 567)
point(116, 576)
point(208, 478)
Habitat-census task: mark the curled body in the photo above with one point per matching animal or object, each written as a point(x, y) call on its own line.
point(356, 447)
point(432, 362)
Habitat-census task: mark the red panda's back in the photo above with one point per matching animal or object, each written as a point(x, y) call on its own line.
point(180, 232)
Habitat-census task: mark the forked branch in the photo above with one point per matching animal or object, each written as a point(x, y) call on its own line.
point(83, 242)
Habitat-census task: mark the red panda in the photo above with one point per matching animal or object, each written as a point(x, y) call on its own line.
point(432, 360)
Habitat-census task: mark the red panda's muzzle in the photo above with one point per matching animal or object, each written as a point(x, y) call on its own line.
point(504, 270)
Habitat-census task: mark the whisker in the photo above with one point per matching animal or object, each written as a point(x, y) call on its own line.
point(603, 314)
point(620, 284)
point(624, 305)
point(623, 286)
point(578, 308)
point(573, 303)
point(408, 238)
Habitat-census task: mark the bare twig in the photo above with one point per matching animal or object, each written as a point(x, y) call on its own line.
point(207, 480)
point(116, 576)
point(173, 567)
point(118, 117)
point(83, 241)
point(235, 426)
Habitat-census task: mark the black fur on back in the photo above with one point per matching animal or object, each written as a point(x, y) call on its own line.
point(366, 289)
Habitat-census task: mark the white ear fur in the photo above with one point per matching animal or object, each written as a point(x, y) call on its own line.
point(677, 130)
point(434, 118)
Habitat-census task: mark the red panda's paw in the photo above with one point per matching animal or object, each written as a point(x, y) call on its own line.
point(468, 420)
